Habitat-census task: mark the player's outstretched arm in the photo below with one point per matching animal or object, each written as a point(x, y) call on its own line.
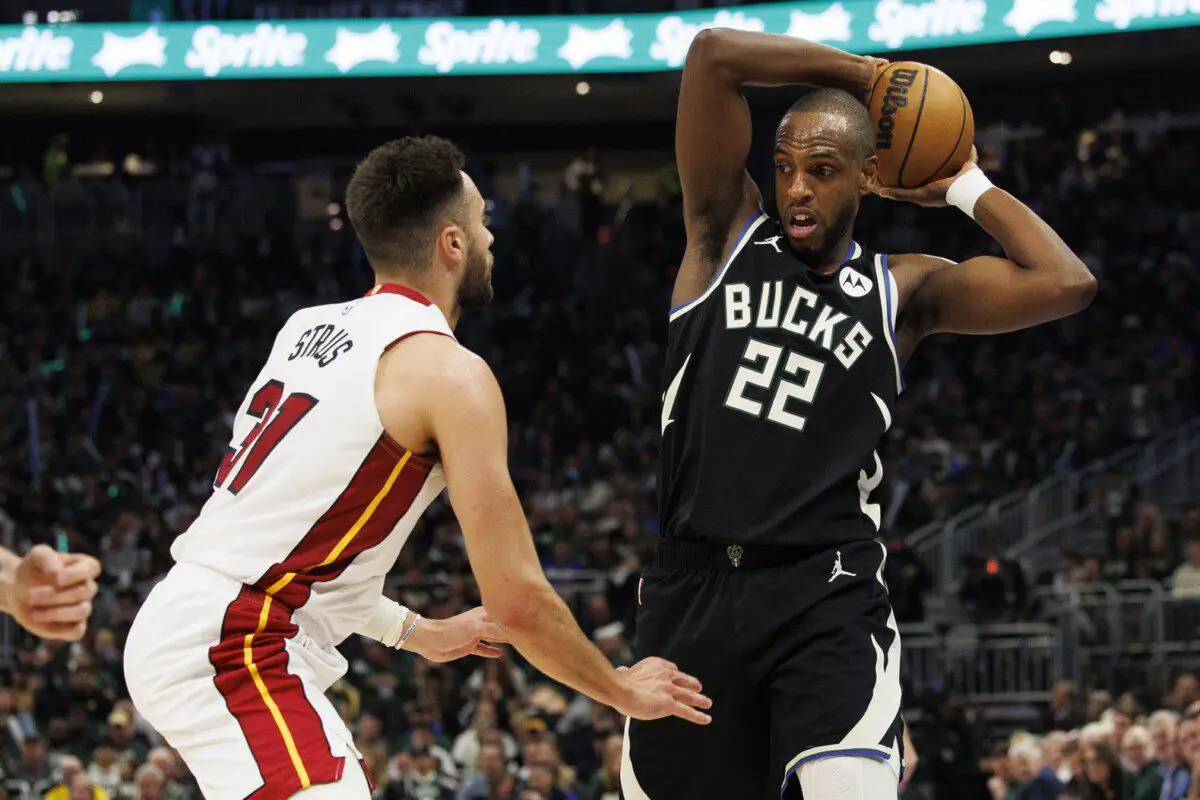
point(713, 130)
point(48, 593)
point(1041, 280)
point(461, 400)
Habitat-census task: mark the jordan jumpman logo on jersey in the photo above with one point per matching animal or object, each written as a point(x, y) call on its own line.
point(773, 242)
point(838, 571)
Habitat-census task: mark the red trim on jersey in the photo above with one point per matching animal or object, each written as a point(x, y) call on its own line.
point(379, 494)
point(395, 288)
point(279, 723)
point(347, 511)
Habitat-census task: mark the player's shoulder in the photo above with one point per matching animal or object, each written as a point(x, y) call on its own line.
point(437, 362)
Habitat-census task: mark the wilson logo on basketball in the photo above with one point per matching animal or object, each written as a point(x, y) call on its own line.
point(894, 99)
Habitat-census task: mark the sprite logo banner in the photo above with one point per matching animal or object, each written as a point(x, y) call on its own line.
point(95, 53)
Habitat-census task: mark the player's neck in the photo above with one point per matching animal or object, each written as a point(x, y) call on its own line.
point(442, 297)
point(832, 260)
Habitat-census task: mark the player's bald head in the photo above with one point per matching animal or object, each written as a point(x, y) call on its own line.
point(839, 114)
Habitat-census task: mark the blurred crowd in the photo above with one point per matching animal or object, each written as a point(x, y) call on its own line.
point(1086, 746)
point(123, 370)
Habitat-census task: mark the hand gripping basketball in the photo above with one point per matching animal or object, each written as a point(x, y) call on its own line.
point(933, 194)
point(658, 689)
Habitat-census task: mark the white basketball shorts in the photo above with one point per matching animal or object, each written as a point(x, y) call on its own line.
point(230, 681)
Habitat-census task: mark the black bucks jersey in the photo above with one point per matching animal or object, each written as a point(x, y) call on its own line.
point(780, 384)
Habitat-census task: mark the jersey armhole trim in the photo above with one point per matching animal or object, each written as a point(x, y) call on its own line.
point(402, 337)
point(888, 298)
point(744, 237)
point(395, 448)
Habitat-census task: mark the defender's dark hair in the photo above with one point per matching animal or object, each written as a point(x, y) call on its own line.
point(842, 104)
point(398, 196)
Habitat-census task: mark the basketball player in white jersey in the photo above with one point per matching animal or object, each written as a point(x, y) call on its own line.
point(363, 412)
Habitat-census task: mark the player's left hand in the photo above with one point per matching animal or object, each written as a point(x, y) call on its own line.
point(931, 195)
point(468, 634)
point(51, 593)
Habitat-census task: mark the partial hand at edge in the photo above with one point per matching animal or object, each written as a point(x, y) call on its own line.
point(50, 593)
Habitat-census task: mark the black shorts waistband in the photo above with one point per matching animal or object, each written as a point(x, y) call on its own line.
point(705, 556)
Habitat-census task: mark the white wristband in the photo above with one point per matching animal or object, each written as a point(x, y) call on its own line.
point(966, 190)
point(386, 623)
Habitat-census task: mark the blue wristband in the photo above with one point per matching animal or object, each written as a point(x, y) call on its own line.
point(411, 628)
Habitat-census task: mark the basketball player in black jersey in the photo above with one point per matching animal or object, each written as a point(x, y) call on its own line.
point(786, 343)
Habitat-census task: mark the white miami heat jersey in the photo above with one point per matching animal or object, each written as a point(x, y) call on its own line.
point(313, 501)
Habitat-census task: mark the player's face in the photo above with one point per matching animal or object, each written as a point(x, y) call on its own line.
point(475, 289)
point(820, 175)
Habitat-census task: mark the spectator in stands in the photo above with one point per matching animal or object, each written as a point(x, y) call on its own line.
point(1175, 776)
point(1188, 743)
point(422, 736)
point(606, 783)
point(1054, 746)
point(492, 778)
point(34, 769)
point(105, 770)
point(1063, 712)
point(1186, 580)
point(468, 745)
point(1033, 779)
point(167, 764)
point(1099, 701)
point(1137, 751)
point(150, 783)
point(70, 771)
point(1118, 719)
point(1185, 692)
point(1103, 777)
point(423, 781)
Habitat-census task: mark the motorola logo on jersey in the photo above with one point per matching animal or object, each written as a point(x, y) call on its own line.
point(854, 283)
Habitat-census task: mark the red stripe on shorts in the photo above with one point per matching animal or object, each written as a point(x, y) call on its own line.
point(281, 726)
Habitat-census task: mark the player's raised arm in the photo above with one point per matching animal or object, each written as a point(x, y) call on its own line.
point(1041, 280)
point(712, 133)
point(464, 410)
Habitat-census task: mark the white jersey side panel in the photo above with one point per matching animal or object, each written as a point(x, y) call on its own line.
point(313, 501)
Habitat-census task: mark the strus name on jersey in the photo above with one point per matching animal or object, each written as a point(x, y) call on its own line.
point(323, 343)
point(796, 310)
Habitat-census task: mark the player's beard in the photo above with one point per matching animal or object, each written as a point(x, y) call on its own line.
point(475, 291)
point(829, 250)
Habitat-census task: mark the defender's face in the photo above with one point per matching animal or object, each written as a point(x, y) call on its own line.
point(819, 178)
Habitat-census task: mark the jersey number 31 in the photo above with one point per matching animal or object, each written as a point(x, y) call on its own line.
point(276, 417)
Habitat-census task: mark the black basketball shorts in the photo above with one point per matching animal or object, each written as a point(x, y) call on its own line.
point(799, 652)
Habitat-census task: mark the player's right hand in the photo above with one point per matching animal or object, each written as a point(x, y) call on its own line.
point(657, 689)
point(52, 593)
point(471, 633)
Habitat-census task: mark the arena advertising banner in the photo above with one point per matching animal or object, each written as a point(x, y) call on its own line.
point(95, 53)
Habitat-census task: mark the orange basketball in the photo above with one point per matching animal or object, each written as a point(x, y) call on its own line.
point(924, 127)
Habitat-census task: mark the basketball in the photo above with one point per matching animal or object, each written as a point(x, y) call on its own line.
point(924, 127)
